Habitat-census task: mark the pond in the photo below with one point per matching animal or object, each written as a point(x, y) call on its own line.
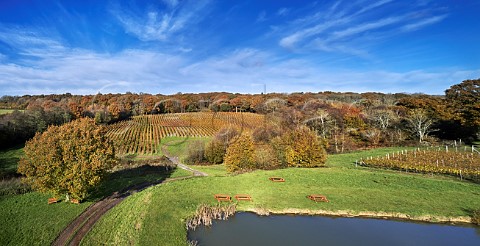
point(251, 229)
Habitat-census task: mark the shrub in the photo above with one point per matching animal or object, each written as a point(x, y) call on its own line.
point(196, 152)
point(226, 134)
point(265, 157)
point(476, 217)
point(278, 148)
point(215, 152)
point(303, 148)
point(265, 134)
point(13, 186)
point(240, 154)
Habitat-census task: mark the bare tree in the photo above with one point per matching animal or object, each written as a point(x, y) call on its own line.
point(321, 121)
point(382, 119)
point(419, 123)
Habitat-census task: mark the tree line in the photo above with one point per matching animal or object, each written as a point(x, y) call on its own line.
point(345, 120)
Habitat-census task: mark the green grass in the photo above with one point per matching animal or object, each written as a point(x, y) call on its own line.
point(28, 220)
point(9, 161)
point(348, 159)
point(157, 215)
point(178, 172)
point(8, 111)
point(212, 170)
point(126, 178)
point(177, 146)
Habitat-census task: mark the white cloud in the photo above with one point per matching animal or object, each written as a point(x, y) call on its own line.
point(365, 27)
point(283, 11)
point(170, 3)
point(18, 37)
point(342, 28)
point(301, 35)
point(160, 25)
point(373, 5)
point(81, 71)
point(262, 16)
point(422, 23)
point(87, 72)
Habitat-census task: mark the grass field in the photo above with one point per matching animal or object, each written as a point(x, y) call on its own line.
point(157, 215)
point(7, 111)
point(9, 160)
point(27, 219)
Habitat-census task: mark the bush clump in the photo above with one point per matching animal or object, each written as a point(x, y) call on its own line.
point(215, 152)
point(476, 217)
point(196, 153)
point(300, 148)
point(266, 158)
point(240, 154)
point(13, 186)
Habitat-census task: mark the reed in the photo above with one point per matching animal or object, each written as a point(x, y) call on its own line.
point(205, 215)
point(476, 217)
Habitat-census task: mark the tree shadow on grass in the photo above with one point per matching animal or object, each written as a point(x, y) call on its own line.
point(130, 180)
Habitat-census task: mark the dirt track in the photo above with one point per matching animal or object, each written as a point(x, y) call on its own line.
point(78, 228)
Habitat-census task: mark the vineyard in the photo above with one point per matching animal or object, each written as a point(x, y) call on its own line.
point(464, 163)
point(143, 134)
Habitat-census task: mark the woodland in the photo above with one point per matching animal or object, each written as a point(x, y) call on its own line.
point(344, 120)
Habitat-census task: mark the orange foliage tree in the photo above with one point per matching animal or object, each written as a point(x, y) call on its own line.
point(240, 154)
point(68, 160)
point(303, 148)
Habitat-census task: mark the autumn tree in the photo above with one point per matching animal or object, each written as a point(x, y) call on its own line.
point(464, 99)
point(69, 159)
point(302, 148)
point(321, 122)
point(195, 153)
point(215, 151)
point(419, 123)
point(266, 158)
point(240, 154)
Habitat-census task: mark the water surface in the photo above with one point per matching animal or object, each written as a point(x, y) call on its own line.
point(251, 229)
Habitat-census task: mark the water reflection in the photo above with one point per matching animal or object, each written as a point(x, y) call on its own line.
point(251, 229)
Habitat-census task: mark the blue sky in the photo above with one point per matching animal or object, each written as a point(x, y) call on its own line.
point(170, 46)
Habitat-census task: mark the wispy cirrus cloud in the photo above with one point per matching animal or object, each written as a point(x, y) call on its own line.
point(88, 72)
point(160, 25)
point(342, 26)
point(171, 3)
point(46, 62)
point(422, 23)
point(283, 11)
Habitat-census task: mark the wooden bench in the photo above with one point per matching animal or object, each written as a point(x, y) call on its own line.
point(277, 179)
point(75, 201)
point(317, 198)
point(243, 197)
point(52, 200)
point(223, 198)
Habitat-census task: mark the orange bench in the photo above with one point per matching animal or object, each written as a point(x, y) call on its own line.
point(223, 198)
point(75, 201)
point(277, 179)
point(243, 197)
point(52, 200)
point(317, 198)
